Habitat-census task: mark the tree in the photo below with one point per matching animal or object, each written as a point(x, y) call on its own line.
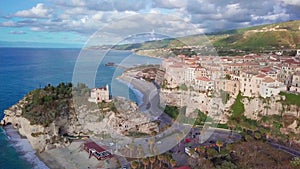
point(178, 138)
point(247, 138)
point(173, 163)
point(201, 150)
point(227, 165)
point(211, 152)
point(219, 143)
point(257, 135)
point(140, 150)
point(151, 142)
point(134, 164)
point(152, 161)
point(229, 147)
point(295, 162)
point(183, 87)
point(131, 148)
point(160, 157)
point(145, 162)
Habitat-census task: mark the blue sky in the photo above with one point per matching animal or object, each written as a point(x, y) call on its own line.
point(74, 21)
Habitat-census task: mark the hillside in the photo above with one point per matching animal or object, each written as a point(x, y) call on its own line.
point(285, 35)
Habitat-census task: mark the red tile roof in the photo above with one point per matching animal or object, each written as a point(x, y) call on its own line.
point(261, 76)
point(268, 80)
point(203, 79)
point(93, 145)
point(183, 167)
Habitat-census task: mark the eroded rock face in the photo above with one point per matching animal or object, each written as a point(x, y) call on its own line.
point(37, 135)
point(87, 120)
point(255, 107)
point(129, 118)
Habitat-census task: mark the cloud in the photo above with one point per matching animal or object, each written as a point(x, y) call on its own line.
point(87, 16)
point(292, 2)
point(170, 4)
point(17, 32)
point(9, 24)
point(39, 11)
point(105, 5)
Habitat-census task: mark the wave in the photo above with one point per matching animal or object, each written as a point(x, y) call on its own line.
point(24, 148)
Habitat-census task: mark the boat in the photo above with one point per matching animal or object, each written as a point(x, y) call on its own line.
point(110, 64)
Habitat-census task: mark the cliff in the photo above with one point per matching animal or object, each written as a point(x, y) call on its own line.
point(51, 123)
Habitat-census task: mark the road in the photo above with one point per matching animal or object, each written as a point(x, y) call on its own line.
point(284, 148)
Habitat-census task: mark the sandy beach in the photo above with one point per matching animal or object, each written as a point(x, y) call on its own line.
point(70, 157)
point(146, 88)
point(23, 146)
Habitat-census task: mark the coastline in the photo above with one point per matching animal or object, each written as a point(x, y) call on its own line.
point(144, 87)
point(58, 158)
point(137, 92)
point(23, 147)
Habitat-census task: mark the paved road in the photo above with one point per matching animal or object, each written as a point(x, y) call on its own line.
point(151, 102)
point(285, 148)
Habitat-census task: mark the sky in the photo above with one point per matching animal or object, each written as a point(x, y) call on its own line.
point(76, 22)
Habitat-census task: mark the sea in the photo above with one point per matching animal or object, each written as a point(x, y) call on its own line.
point(25, 69)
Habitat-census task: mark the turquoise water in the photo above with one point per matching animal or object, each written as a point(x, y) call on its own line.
point(24, 69)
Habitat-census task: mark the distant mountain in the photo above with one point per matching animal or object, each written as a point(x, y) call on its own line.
point(285, 35)
point(38, 45)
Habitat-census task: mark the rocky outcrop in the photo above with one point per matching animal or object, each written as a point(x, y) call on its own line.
point(88, 120)
point(257, 107)
point(40, 137)
point(129, 118)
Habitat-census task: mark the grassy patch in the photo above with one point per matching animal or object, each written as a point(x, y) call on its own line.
point(290, 99)
point(238, 107)
point(172, 111)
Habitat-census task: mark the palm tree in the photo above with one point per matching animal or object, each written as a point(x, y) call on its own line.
point(229, 147)
point(257, 135)
point(131, 147)
point(152, 161)
point(151, 142)
point(173, 163)
point(167, 158)
point(291, 138)
point(145, 162)
point(192, 151)
point(219, 143)
point(211, 153)
point(253, 128)
point(134, 164)
point(160, 157)
point(155, 150)
point(201, 150)
point(140, 150)
point(267, 108)
point(178, 138)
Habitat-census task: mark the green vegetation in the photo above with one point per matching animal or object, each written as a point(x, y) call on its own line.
point(183, 87)
point(37, 134)
point(238, 108)
point(202, 118)
point(290, 99)
point(45, 105)
point(295, 162)
point(172, 111)
point(284, 35)
point(224, 96)
point(136, 134)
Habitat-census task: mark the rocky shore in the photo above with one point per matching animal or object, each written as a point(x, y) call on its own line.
point(84, 120)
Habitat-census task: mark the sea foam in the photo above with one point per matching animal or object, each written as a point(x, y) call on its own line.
point(24, 148)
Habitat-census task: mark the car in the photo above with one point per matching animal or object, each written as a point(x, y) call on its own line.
point(159, 142)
